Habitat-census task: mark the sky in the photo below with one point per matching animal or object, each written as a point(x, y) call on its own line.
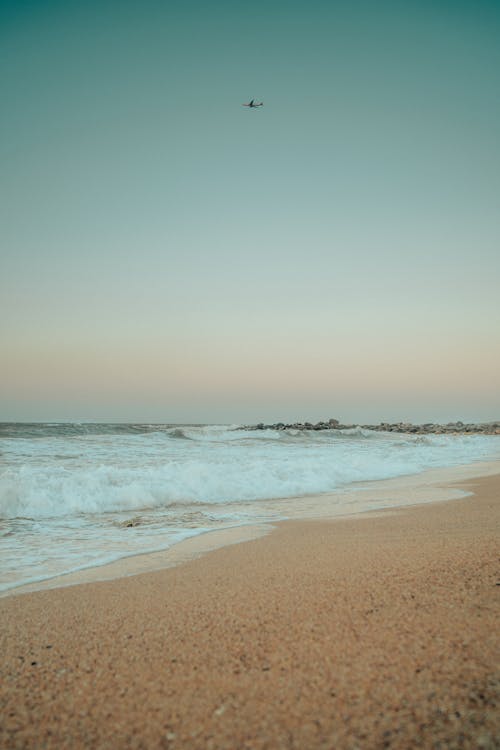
point(168, 255)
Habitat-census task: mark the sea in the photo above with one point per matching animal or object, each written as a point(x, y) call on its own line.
point(79, 495)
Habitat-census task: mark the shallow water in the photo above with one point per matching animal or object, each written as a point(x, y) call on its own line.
point(79, 495)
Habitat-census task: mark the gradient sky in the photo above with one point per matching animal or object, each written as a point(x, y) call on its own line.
point(168, 255)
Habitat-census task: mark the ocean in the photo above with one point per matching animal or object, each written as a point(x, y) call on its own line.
point(79, 495)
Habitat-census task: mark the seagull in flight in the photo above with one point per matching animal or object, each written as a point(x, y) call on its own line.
point(253, 104)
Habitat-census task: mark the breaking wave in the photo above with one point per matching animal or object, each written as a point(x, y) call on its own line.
point(62, 470)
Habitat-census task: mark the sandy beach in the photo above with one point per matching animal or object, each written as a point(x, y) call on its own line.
point(379, 631)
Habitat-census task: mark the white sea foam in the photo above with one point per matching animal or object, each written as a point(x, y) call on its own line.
point(68, 492)
point(60, 476)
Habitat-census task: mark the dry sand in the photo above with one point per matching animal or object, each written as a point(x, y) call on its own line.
point(374, 632)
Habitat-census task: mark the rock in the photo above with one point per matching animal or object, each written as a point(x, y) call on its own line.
point(428, 428)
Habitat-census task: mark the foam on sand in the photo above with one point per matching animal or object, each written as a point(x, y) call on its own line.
point(433, 486)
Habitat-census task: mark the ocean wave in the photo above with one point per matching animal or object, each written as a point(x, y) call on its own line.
point(178, 434)
point(35, 430)
point(217, 467)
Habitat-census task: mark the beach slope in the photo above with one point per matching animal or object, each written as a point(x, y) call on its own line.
point(372, 632)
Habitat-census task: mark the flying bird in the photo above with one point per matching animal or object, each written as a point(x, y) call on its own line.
point(253, 104)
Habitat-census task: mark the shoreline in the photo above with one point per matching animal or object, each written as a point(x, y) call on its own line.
point(429, 486)
point(373, 632)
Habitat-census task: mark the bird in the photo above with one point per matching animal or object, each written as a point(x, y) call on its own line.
point(253, 104)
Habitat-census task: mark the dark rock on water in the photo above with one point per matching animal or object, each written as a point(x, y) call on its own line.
point(131, 523)
point(428, 428)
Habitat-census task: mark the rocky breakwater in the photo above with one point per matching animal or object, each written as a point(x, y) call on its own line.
point(429, 428)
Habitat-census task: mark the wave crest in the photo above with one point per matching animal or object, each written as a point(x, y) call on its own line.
point(210, 465)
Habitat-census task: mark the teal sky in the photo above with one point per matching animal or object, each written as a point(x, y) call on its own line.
point(168, 255)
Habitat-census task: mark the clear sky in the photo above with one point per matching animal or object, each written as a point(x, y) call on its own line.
point(169, 255)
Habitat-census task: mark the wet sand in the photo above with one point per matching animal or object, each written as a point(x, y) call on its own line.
point(379, 631)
